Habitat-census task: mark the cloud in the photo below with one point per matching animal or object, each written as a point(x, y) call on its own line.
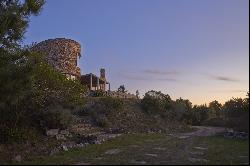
point(143, 77)
point(132, 76)
point(229, 91)
point(168, 79)
point(222, 78)
point(158, 72)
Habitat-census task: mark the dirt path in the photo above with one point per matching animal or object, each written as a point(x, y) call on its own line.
point(201, 131)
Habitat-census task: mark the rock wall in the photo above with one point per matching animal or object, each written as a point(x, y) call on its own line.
point(121, 95)
point(62, 54)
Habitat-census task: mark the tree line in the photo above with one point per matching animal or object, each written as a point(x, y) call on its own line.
point(233, 114)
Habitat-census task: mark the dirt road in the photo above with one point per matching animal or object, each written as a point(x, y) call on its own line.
point(201, 131)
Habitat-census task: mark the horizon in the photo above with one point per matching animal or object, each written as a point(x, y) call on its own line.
point(196, 50)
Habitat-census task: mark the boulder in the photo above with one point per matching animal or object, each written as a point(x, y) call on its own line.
point(52, 132)
point(64, 132)
point(65, 148)
point(60, 137)
point(18, 158)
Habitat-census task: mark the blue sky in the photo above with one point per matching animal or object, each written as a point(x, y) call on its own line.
point(195, 49)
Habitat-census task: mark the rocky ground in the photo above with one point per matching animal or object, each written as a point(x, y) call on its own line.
point(199, 147)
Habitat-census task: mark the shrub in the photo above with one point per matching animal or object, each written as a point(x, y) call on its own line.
point(101, 121)
point(219, 122)
point(56, 117)
point(154, 101)
point(111, 103)
point(197, 115)
point(18, 134)
point(236, 113)
point(99, 93)
point(99, 109)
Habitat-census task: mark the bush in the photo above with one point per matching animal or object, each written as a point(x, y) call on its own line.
point(111, 103)
point(99, 93)
point(218, 122)
point(236, 113)
point(56, 117)
point(101, 121)
point(99, 109)
point(154, 101)
point(18, 134)
point(197, 115)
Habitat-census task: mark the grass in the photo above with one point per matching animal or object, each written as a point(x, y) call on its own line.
point(225, 151)
point(153, 149)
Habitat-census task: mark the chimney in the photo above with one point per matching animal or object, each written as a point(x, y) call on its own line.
point(102, 73)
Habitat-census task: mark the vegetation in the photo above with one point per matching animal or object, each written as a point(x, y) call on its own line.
point(154, 101)
point(31, 91)
point(167, 150)
point(35, 97)
point(233, 114)
point(14, 18)
point(121, 89)
point(101, 108)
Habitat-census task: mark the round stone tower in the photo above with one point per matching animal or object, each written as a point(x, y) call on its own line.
point(62, 54)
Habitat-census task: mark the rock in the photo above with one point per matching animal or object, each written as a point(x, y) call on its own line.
point(91, 139)
point(200, 148)
point(138, 162)
point(243, 156)
point(197, 160)
point(235, 134)
point(18, 158)
point(65, 148)
point(98, 158)
point(60, 137)
point(52, 132)
point(134, 146)
point(64, 132)
point(160, 148)
point(196, 153)
point(113, 151)
point(54, 151)
point(82, 163)
point(152, 155)
point(183, 137)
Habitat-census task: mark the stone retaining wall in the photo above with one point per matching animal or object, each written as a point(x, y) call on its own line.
point(121, 95)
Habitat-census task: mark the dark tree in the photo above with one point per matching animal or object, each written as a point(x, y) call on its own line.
point(215, 109)
point(122, 89)
point(137, 94)
point(14, 19)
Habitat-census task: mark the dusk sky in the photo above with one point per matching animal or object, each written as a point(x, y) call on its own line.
point(194, 49)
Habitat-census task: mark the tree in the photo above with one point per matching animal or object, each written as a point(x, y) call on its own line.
point(155, 101)
point(137, 94)
point(122, 89)
point(215, 109)
point(186, 103)
point(199, 114)
point(14, 18)
point(30, 89)
point(237, 113)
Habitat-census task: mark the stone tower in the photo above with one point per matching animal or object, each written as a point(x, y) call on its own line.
point(62, 54)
